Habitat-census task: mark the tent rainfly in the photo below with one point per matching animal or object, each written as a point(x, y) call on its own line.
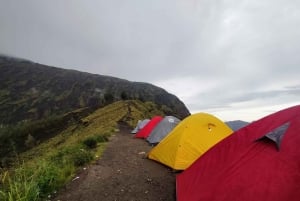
point(144, 132)
point(162, 129)
point(260, 161)
point(192, 137)
point(140, 125)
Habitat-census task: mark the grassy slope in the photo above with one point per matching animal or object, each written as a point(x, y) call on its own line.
point(102, 121)
point(57, 159)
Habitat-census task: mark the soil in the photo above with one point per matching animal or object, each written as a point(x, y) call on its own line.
point(123, 173)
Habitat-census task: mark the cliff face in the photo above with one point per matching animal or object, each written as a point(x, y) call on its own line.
point(31, 91)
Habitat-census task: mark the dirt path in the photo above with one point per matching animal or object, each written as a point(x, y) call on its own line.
point(122, 174)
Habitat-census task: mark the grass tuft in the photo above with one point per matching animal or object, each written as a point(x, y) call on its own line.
point(20, 186)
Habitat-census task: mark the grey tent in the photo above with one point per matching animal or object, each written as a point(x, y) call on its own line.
point(236, 125)
point(140, 125)
point(163, 128)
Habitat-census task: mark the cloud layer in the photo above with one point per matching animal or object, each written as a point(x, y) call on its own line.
point(236, 59)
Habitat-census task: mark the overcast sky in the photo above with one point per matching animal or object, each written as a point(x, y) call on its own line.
point(236, 59)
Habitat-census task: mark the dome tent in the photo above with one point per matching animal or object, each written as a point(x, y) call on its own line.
point(144, 132)
point(140, 125)
point(162, 129)
point(192, 137)
point(260, 161)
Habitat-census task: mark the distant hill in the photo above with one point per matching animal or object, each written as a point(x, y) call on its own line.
point(236, 124)
point(32, 91)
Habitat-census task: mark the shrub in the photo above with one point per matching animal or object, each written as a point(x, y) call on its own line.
point(102, 138)
point(108, 97)
point(30, 141)
point(75, 155)
point(124, 95)
point(81, 157)
point(90, 142)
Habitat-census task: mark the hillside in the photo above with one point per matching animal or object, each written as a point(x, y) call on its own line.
point(32, 91)
point(101, 121)
point(27, 135)
point(48, 163)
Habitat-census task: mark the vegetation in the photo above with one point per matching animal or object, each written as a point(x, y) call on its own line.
point(27, 134)
point(46, 166)
point(31, 91)
point(54, 121)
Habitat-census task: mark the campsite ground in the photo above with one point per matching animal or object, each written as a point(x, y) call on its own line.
point(122, 174)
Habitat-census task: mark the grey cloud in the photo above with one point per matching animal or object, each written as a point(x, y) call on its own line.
point(216, 100)
point(260, 95)
point(247, 48)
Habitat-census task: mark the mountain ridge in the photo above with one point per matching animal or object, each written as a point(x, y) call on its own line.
point(30, 91)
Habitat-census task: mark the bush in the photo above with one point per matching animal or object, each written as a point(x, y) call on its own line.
point(124, 95)
point(108, 97)
point(80, 157)
point(30, 141)
point(75, 155)
point(90, 142)
point(102, 138)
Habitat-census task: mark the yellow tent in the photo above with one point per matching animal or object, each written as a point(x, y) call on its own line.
point(189, 140)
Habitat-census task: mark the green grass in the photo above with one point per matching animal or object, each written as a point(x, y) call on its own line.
point(48, 166)
point(29, 183)
point(19, 187)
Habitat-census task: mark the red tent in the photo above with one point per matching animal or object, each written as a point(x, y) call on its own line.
point(144, 132)
point(259, 162)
